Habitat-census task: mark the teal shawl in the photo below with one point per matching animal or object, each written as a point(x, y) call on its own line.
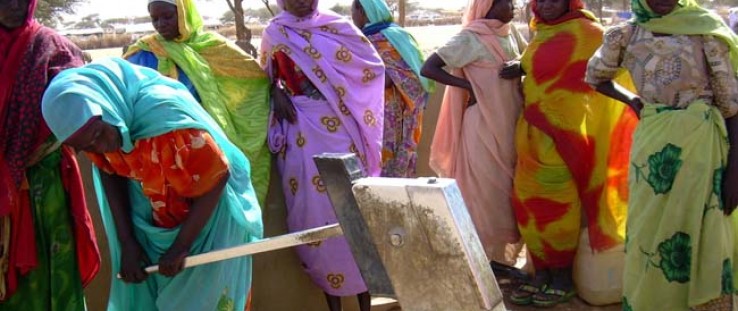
point(143, 104)
point(380, 17)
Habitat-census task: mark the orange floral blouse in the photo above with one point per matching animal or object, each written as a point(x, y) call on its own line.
point(173, 168)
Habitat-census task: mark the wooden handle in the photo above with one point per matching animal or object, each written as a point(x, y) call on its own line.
point(265, 245)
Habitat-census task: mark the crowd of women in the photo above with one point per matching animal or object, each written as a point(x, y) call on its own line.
point(624, 134)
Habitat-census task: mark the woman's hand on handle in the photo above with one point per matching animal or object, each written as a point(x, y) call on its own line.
point(133, 260)
point(173, 261)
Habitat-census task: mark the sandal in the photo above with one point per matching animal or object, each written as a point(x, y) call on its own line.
point(523, 295)
point(550, 297)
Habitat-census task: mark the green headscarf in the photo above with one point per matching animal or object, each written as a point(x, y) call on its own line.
point(233, 88)
point(378, 13)
point(688, 18)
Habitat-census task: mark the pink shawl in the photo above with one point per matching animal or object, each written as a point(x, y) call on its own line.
point(476, 145)
point(481, 74)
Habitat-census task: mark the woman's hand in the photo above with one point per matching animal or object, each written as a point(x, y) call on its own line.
point(133, 260)
point(472, 99)
point(512, 70)
point(282, 106)
point(730, 189)
point(730, 177)
point(172, 262)
point(619, 93)
point(636, 104)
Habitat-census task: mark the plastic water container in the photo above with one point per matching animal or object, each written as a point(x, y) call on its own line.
point(599, 276)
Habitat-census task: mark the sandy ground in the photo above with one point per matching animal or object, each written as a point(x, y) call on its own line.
point(576, 304)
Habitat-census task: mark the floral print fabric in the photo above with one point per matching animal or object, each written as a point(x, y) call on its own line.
point(675, 71)
point(172, 168)
point(37, 56)
point(680, 247)
point(404, 102)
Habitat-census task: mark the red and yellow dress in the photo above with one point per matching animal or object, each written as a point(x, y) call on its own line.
point(572, 144)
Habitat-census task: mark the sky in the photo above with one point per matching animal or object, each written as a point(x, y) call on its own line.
point(211, 8)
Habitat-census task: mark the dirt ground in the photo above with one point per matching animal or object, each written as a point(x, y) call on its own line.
point(575, 304)
point(507, 286)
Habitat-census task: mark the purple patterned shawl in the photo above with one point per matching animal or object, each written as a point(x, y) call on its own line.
point(342, 64)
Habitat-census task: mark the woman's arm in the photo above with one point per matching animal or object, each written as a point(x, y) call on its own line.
point(172, 262)
point(616, 91)
point(433, 69)
point(133, 258)
point(724, 84)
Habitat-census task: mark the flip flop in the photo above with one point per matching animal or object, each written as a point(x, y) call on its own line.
point(523, 295)
point(550, 297)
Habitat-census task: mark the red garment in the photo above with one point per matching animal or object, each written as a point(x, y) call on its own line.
point(30, 56)
point(88, 254)
point(286, 70)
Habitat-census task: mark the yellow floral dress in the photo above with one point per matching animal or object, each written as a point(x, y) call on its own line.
point(680, 247)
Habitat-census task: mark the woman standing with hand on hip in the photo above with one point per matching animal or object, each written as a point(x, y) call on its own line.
point(327, 96)
point(474, 138)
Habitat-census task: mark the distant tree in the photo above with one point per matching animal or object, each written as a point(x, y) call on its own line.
point(261, 14)
point(48, 12)
point(89, 21)
point(271, 8)
point(243, 33)
point(412, 5)
point(409, 6)
point(393, 4)
point(228, 16)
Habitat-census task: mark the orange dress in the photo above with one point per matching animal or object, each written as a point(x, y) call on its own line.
point(173, 169)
